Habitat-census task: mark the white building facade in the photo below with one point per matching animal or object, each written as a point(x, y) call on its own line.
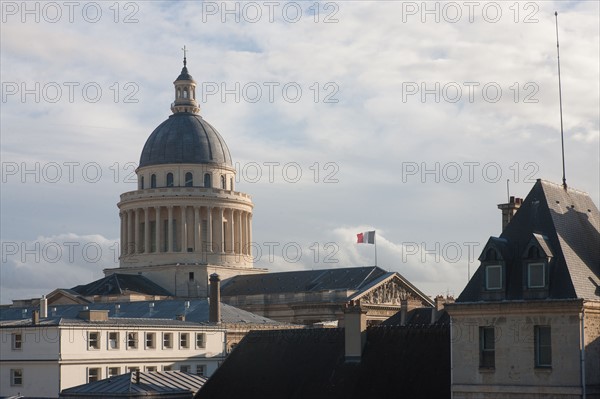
point(42, 359)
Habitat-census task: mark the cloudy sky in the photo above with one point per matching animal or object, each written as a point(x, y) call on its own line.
point(407, 118)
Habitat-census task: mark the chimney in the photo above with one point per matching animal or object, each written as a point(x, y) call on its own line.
point(355, 331)
point(214, 314)
point(403, 311)
point(35, 318)
point(93, 315)
point(509, 210)
point(43, 307)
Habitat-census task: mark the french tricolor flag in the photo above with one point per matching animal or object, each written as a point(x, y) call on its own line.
point(368, 237)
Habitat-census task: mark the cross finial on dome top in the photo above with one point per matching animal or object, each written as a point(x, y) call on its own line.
point(184, 55)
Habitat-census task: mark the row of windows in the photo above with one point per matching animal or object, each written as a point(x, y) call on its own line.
point(95, 373)
point(132, 340)
point(542, 347)
point(536, 276)
point(189, 181)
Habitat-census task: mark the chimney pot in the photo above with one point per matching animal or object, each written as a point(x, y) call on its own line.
point(35, 317)
point(214, 315)
point(43, 307)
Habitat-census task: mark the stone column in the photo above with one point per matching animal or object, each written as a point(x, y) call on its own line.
point(123, 234)
point(220, 235)
point(129, 249)
point(138, 245)
point(170, 229)
point(250, 234)
point(183, 238)
point(209, 229)
point(146, 230)
point(243, 233)
point(231, 232)
point(158, 228)
point(197, 232)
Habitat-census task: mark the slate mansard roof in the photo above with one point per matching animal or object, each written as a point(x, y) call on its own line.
point(310, 363)
point(185, 138)
point(565, 226)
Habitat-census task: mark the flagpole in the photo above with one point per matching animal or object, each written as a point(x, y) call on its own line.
point(375, 242)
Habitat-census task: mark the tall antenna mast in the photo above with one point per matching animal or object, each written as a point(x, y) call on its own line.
point(562, 138)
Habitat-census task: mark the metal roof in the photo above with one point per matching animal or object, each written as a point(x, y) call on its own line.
point(185, 138)
point(139, 384)
point(349, 278)
point(196, 312)
point(116, 283)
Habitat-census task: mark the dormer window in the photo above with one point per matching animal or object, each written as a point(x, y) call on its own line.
point(493, 277)
point(536, 275)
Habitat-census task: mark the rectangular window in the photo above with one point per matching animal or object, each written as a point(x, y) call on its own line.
point(113, 340)
point(133, 369)
point(17, 341)
point(132, 340)
point(150, 340)
point(543, 346)
point(493, 277)
point(200, 340)
point(184, 368)
point(93, 340)
point(113, 371)
point(167, 368)
point(167, 340)
point(150, 368)
point(200, 369)
point(487, 348)
point(93, 374)
point(536, 275)
point(16, 377)
point(184, 341)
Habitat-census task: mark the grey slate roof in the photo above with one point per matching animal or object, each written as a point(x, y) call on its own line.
point(115, 284)
point(566, 224)
point(164, 309)
point(150, 384)
point(185, 138)
point(112, 321)
point(349, 278)
point(403, 362)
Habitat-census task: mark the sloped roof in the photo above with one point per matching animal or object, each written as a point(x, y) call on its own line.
point(150, 384)
point(197, 311)
point(118, 284)
point(417, 317)
point(569, 223)
point(310, 363)
point(349, 278)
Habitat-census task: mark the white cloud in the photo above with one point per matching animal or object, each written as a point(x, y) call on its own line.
point(371, 54)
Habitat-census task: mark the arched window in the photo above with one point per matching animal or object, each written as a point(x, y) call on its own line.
point(169, 179)
point(185, 93)
point(207, 182)
point(178, 93)
point(189, 179)
point(231, 184)
point(153, 181)
point(141, 182)
point(223, 182)
point(193, 93)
